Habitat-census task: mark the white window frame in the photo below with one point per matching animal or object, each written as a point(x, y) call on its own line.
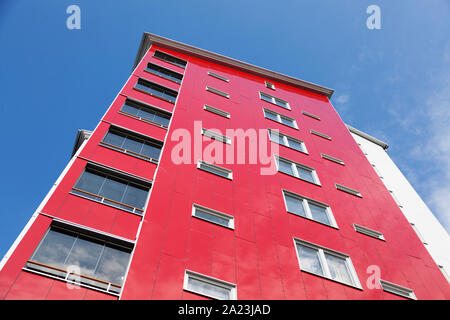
point(210, 280)
point(320, 134)
point(307, 209)
point(218, 92)
point(269, 85)
point(217, 76)
point(324, 264)
point(369, 232)
point(333, 159)
point(285, 139)
point(216, 136)
point(273, 100)
point(212, 212)
point(348, 190)
point(397, 289)
point(216, 111)
point(311, 115)
point(294, 169)
point(279, 116)
point(229, 173)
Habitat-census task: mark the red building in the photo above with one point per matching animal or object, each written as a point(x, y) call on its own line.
point(127, 220)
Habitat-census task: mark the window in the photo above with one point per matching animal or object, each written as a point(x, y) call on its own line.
point(156, 90)
point(308, 208)
point(216, 136)
point(213, 216)
point(216, 111)
point(326, 263)
point(279, 102)
point(163, 72)
point(170, 59)
point(215, 75)
point(272, 115)
point(297, 170)
point(287, 141)
point(348, 190)
point(112, 188)
point(377, 171)
point(269, 85)
point(208, 286)
point(130, 143)
point(323, 135)
point(397, 289)
point(310, 115)
point(72, 254)
point(146, 113)
point(214, 169)
point(395, 198)
point(220, 93)
point(333, 159)
point(416, 230)
point(368, 232)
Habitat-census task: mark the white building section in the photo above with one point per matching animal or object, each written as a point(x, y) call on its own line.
point(429, 230)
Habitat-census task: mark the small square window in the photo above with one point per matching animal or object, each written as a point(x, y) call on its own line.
point(269, 85)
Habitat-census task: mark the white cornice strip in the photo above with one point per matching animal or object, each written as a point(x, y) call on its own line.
point(148, 39)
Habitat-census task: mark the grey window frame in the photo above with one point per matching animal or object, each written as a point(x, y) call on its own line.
point(166, 73)
point(274, 100)
point(181, 64)
point(218, 92)
point(228, 173)
point(163, 90)
point(279, 116)
point(216, 111)
point(295, 170)
point(218, 76)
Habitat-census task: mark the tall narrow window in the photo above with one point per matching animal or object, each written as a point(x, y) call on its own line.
point(297, 170)
point(163, 72)
point(326, 263)
point(156, 90)
point(100, 260)
point(132, 144)
point(309, 208)
point(170, 59)
point(113, 189)
point(279, 102)
point(146, 113)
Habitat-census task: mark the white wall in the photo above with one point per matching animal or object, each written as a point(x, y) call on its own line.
point(429, 229)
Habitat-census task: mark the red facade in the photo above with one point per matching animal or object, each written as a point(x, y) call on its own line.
point(259, 254)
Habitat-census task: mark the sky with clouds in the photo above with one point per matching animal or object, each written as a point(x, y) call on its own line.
point(393, 83)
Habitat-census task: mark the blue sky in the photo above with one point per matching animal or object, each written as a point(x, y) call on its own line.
point(392, 83)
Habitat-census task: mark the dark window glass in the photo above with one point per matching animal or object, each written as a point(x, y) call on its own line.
point(157, 90)
point(90, 182)
point(95, 258)
point(162, 118)
point(169, 58)
point(165, 73)
point(134, 144)
point(135, 196)
point(287, 122)
point(113, 189)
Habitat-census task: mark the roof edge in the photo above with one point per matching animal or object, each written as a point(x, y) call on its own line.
point(82, 135)
point(148, 39)
point(364, 135)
